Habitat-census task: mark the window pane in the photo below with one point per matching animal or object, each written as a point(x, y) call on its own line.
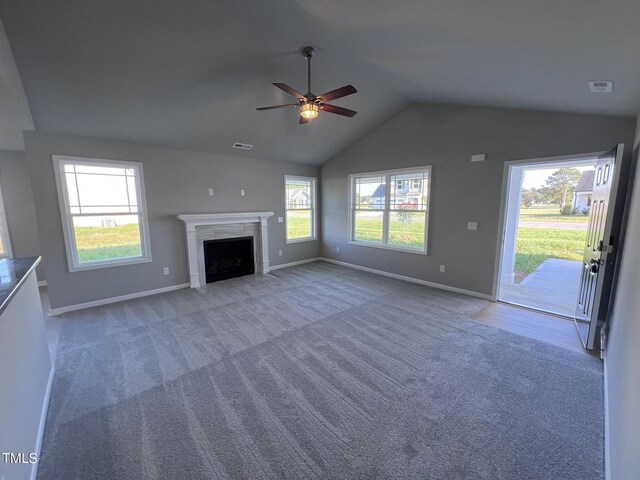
point(102, 190)
point(72, 192)
point(299, 194)
point(299, 224)
point(368, 226)
point(109, 209)
point(131, 187)
point(369, 193)
point(406, 228)
point(104, 237)
point(97, 170)
point(409, 190)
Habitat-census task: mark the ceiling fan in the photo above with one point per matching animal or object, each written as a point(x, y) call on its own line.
point(310, 104)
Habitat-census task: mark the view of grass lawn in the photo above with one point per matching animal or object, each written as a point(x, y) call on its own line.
point(298, 224)
point(550, 214)
point(105, 243)
point(409, 235)
point(535, 245)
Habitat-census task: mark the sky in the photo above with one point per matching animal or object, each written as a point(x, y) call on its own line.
point(536, 178)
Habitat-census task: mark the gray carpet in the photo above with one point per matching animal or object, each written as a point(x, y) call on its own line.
point(322, 372)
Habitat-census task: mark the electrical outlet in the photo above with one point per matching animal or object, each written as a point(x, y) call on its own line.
point(165, 271)
point(211, 192)
point(242, 192)
point(280, 253)
point(443, 268)
point(280, 219)
point(472, 225)
point(337, 249)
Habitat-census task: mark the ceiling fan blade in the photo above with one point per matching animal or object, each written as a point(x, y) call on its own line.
point(304, 120)
point(338, 93)
point(279, 106)
point(345, 112)
point(290, 91)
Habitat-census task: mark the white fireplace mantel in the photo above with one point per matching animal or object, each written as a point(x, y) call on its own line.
point(192, 221)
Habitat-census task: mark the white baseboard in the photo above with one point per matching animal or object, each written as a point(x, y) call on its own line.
point(42, 283)
point(43, 422)
point(607, 456)
point(293, 264)
point(105, 301)
point(439, 286)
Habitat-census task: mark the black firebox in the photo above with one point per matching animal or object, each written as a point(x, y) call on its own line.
point(228, 258)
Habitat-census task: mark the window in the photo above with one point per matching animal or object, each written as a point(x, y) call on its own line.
point(394, 218)
point(5, 244)
point(102, 203)
point(300, 194)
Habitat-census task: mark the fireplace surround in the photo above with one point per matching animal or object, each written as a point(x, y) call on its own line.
point(212, 226)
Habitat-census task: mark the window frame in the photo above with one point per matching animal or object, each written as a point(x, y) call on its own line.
point(67, 217)
point(5, 237)
point(386, 210)
point(314, 209)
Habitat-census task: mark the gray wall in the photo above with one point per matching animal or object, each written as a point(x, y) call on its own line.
point(18, 205)
point(445, 137)
point(176, 181)
point(623, 354)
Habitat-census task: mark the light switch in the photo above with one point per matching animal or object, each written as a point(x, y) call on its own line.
point(242, 192)
point(443, 268)
point(280, 220)
point(211, 192)
point(472, 226)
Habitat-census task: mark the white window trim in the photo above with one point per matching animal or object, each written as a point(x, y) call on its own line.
point(67, 217)
point(385, 222)
point(4, 234)
point(314, 208)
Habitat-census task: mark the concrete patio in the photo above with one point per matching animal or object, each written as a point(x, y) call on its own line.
point(552, 287)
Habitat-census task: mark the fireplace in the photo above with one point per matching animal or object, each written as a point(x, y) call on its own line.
point(228, 258)
point(202, 227)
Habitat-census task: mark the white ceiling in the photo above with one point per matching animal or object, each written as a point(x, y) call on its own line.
point(190, 73)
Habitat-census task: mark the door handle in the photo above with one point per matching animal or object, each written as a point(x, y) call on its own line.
point(595, 264)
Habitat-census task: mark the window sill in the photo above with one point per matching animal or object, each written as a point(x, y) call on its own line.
point(300, 240)
point(389, 247)
point(115, 263)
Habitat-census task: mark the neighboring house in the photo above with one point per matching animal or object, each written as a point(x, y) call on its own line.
point(583, 190)
point(408, 192)
point(377, 198)
point(300, 197)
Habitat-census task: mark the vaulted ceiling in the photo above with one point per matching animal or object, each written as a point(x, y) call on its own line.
point(189, 73)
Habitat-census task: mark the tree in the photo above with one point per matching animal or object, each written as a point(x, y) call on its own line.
point(531, 197)
point(560, 184)
point(405, 217)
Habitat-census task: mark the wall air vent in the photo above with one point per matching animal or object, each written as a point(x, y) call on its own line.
point(601, 87)
point(242, 146)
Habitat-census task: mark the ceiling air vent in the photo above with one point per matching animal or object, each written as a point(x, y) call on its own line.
point(601, 87)
point(242, 146)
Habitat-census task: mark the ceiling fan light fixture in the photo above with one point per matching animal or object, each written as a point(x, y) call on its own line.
point(309, 110)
